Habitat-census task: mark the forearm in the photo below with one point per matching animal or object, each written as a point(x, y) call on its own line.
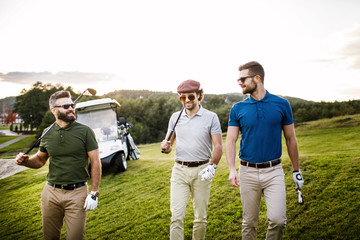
point(293, 153)
point(34, 162)
point(217, 155)
point(95, 175)
point(230, 155)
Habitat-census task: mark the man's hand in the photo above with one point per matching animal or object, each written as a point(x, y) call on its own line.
point(298, 180)
point(234, 179)
point(166, 146)
point(21, 159)
point(208, 173)
point(90, 202)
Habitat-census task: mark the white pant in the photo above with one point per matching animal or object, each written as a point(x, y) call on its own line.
point(269, 181)
point(185, 180)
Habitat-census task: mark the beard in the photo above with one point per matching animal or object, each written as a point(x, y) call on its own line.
point(250, 89)
point(65, 117)
point(191, 107)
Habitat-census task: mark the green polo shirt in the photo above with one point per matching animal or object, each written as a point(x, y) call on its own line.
point(67, 148)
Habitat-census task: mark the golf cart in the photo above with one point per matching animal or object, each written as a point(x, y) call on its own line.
point(112, 133)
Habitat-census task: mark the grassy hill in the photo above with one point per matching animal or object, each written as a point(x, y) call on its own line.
point(135, 204)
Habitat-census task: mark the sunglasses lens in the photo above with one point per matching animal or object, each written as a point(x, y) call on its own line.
point(66, 106)
point(190, 97)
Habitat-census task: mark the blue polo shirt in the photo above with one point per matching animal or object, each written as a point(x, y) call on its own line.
point(260, 124)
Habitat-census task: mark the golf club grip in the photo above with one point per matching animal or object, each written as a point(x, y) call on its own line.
point(172, 131)
point(170, 135)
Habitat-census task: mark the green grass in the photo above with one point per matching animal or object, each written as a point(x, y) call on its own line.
point(19, 146)
point(4, 139)
point(4, 126)
point(335, 122)
point(135, 204)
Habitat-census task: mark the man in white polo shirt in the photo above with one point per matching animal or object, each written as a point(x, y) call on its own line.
point(196, 132)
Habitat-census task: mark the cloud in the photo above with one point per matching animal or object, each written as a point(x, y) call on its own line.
point(343, 47)
point(68, 78)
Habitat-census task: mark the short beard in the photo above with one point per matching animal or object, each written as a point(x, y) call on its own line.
point(64, 117)
point(191, 108)
point(250, 91)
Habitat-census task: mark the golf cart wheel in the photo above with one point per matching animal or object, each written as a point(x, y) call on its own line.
point(120, 162)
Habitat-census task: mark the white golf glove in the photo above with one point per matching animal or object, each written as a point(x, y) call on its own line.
point(208, 172)
point(90, 202)
point(298, 180)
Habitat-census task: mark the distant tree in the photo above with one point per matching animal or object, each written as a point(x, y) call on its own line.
point(47, 120)
point(150, 116)
point(11, 117)
point(310, 111)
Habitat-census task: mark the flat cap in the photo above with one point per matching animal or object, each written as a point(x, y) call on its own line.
point(189, 86)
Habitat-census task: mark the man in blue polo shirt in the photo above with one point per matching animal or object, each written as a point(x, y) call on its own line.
point(260, 119)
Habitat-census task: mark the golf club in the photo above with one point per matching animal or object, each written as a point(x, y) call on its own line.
point(172, 131)
point(300, 197)
point(90, 90)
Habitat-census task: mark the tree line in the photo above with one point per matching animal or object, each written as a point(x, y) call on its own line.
point(150, 111)
point(150, 116)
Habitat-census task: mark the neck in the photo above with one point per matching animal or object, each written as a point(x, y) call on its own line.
point(61, 123)
point(259, 94)
point(192, 111)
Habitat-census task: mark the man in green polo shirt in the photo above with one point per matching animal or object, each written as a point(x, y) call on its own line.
point(68, 145)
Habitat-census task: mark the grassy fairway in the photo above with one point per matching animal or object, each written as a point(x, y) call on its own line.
point(4, 139)
point(20, 146)
point(135, 204)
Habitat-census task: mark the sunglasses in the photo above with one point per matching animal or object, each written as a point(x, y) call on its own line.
point(242, 80)
point(66, 106)
point(191, 97)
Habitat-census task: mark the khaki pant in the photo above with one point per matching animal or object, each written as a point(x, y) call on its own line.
point(185, 180)
point(269, 181)
point(57, 205)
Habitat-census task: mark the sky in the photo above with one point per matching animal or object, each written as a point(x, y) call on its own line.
point(309, 49)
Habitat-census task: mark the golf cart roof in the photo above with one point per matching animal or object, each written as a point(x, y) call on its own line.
point(97, 104)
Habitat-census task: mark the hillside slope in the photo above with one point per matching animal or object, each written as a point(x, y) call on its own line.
point(135, 204)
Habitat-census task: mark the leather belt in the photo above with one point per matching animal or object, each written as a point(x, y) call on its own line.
point(192, 164)
point(261, 165)
point(67, 186)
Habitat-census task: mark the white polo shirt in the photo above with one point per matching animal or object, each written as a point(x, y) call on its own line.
point(193, 134)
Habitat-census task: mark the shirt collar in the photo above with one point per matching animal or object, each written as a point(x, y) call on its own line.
point(68, 127)
point(265, 99)
point(199, 113)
